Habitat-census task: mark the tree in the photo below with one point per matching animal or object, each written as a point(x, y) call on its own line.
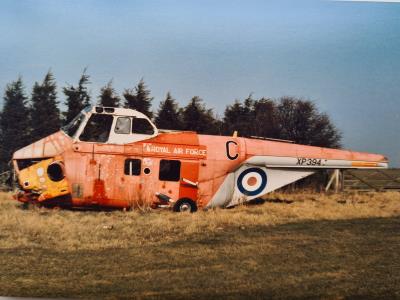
point(108, 96)
point(45, 115)
point(168, 115)
point(139, 99)
point(251, 118)
point(299, 120)
point(239, 117)
point(77, 98)
point(14, 124)
point(290, 118)
point(198, 118)
point(265, 123)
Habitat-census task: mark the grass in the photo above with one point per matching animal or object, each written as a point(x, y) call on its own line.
point(297, 246)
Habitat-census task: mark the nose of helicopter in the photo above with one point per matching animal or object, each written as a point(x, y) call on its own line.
point(40, 168)
point(49, 146)
point(44, 180)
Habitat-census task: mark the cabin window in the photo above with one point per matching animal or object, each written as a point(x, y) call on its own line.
point(97, 128)
point(132, 167)
point(142, 126)
point(123, 125)
point(170, 170)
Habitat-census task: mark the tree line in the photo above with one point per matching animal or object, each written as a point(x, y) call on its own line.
point(25, 119)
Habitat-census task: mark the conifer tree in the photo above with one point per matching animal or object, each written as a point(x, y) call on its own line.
point(139, 99)
point(45, 115)
point(77, 97)
point(197, 117)
point(240, 117)
point(108, 96)
point(168, 115)
point(14, 124)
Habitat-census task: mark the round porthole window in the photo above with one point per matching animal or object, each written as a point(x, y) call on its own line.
point(146, 171)
point(55, 171)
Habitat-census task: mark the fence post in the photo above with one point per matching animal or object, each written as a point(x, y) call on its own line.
point(335, 177)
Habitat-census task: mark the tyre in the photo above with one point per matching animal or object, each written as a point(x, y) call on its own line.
point(185, 205)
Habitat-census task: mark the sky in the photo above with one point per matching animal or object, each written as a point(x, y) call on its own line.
point(342, 55)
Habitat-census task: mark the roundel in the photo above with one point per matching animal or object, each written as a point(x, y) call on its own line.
point(252, 181)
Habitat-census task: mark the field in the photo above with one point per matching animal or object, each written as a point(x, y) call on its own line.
point(291, 246)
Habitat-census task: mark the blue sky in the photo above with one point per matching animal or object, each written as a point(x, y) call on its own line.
point(342, 55)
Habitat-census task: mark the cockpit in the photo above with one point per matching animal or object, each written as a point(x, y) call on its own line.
point(110, 125)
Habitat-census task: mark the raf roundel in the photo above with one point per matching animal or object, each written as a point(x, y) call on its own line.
point(252, 181)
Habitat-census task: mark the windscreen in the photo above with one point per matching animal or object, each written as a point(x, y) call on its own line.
point(72, 127)
point(97, 128)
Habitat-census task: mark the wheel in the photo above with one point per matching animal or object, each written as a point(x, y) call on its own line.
point(185, 205)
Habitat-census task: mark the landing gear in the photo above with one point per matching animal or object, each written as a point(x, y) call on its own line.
point(185, 205)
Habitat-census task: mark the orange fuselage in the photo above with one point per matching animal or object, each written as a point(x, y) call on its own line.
point(133, 174)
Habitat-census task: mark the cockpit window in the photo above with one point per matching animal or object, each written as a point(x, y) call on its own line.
point(123, 125)
point(97, 128)
point(142, 126)
point(72, 127)
point(88, 108)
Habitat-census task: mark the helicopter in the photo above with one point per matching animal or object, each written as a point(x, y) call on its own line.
point(109, 157)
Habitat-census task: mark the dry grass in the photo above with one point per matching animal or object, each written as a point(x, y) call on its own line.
point(62, 229)
point(295, 245)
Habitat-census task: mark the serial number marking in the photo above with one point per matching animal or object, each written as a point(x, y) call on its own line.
point(302, 161)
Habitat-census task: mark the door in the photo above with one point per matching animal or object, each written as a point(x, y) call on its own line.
point(188, 187)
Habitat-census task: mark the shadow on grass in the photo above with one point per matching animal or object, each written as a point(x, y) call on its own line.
point(329, 259)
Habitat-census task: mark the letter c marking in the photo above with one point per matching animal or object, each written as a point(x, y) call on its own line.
point(228, 153)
